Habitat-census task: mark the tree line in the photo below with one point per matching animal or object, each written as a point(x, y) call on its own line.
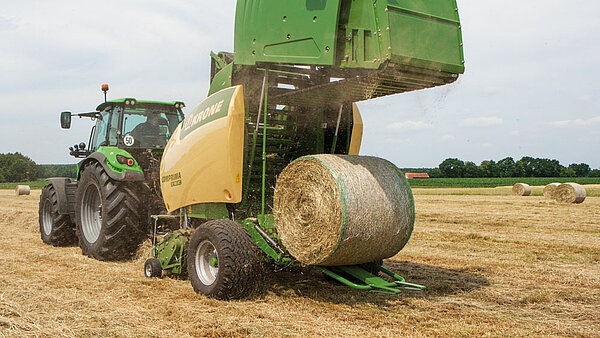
point(16, 167)
point(508, 167)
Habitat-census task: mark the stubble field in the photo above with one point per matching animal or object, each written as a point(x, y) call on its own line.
point(494, 264)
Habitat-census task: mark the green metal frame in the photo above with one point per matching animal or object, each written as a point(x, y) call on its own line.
point(350, 33)
point(172, 251)
point(369, 281)
point(262, 238)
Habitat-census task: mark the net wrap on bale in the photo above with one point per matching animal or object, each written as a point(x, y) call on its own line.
point(342, 210)
point(521, 189)
point(570, 193)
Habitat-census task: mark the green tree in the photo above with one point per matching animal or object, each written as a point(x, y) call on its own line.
point(57, 170)
point(489, 169)
point(567, 172)
point(472, 170)
point(507, 167)
point(17, 167)
point(543, 167)
point(452, 167)
point(581, 169)
point(435, 173)
point(595, 173)
point(525, 166)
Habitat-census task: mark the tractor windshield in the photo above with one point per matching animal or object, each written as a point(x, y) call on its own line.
point(148, 128)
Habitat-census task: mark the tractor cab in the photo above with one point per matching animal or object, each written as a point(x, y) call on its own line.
point(130, 124)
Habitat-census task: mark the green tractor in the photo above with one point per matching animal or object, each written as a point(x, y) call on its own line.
point(106, 210)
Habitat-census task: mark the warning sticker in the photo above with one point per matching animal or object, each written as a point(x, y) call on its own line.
point(128, 140)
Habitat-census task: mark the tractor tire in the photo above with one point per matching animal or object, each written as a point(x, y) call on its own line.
point(222, 260)
point(55, 228)
point(107, 215)
point(152, 268)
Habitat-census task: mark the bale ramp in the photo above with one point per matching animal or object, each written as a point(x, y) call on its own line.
point(570, 193)
point(342, 210)
point(521, 189)
point(549, 190)
point(22, 190)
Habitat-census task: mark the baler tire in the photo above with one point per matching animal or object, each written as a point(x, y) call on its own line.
point(238, 265)
point(152, 268)
point(56, 229)
point(117, 233)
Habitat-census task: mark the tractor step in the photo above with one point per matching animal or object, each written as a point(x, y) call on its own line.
point(368, 281)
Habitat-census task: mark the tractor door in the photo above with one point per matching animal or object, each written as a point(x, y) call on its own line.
point(100, 133)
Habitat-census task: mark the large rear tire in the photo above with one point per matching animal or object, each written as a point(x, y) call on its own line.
point(55, 228)
point(107, 215)
point(222, 261)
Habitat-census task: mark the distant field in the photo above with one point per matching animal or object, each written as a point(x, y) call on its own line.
point(592, 190)
point(33, 184)
point(497, 182)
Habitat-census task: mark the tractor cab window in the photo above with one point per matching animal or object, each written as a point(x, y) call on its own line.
point(114, 127)
point(99, 137)
point(148, 128)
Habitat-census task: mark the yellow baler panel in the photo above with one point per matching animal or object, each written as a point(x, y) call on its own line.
point(357, 131)
point(202, 162)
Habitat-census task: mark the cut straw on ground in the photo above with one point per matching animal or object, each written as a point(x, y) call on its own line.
point(493, 266)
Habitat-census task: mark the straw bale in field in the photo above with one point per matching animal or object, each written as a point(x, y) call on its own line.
point(550, 189)
point(342, 210)
point(570, 193)
point(22, 190)
point(521, 189)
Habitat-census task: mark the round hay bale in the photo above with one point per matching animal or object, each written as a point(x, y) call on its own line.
point(521, 189)
point(570, 193)
point(22, 190)
point(550, 189)
point(343, 210)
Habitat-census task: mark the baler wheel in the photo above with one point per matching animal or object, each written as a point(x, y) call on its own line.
point(152, 268)
point(55, 228)
point(107, 215)
point(222, 261)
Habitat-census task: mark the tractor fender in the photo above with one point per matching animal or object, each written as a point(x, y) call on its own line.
point(65, 193)
point(127, 175)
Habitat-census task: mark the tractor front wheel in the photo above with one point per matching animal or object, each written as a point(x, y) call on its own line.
point(107, 215)
point(55, 228)
point(222, 260)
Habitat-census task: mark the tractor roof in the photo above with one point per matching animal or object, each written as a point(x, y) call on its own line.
point(138, 102)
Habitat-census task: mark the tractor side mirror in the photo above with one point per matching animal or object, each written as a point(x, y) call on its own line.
point(65, 120)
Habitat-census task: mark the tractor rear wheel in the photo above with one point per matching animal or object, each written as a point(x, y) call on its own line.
point(55, 228)
point(222, 261)
point(107, 215)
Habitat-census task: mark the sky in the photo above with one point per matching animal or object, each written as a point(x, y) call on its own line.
point(531, 86)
